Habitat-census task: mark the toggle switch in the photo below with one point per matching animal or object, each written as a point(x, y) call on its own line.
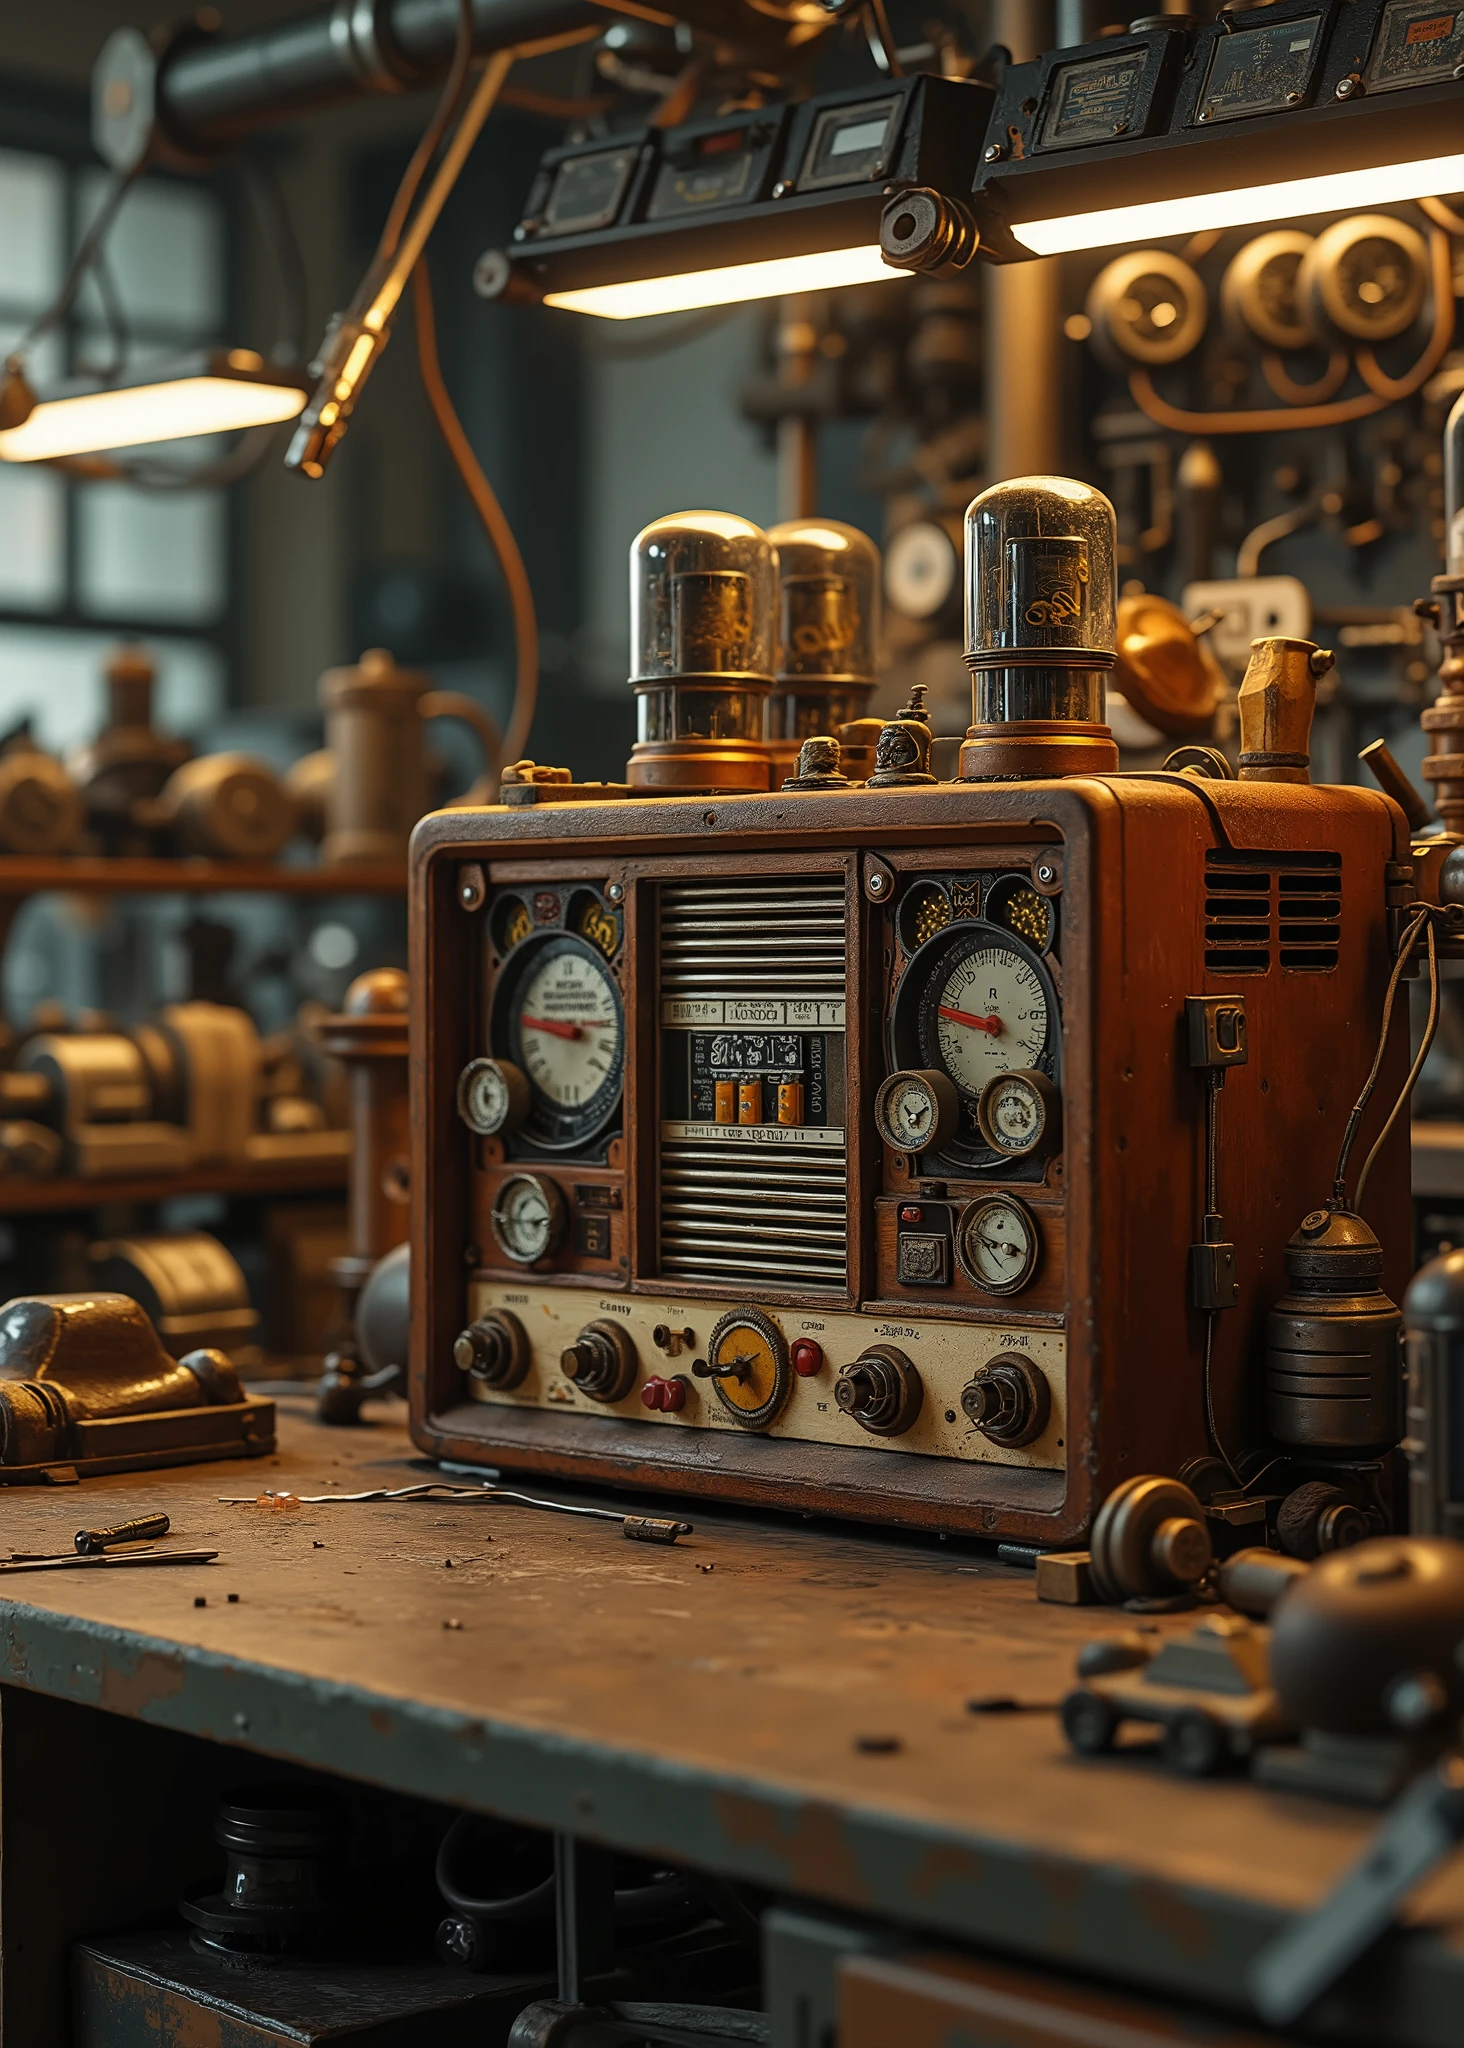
point(666, 1397)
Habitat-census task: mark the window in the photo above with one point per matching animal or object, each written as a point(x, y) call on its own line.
point(83, 563)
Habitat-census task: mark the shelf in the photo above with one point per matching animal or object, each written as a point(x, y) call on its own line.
point(24, 875)
point(23, 1196)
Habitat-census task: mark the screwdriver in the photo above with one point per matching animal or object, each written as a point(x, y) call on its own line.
point(92, 1542)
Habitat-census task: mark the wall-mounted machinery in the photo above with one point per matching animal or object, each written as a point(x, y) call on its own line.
point(862, 1144)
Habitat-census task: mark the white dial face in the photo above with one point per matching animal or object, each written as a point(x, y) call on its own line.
point(998, 1245)
point(525, 1219)
point(569, 1028)
point(991, 1015)
point(1015, 1114)
point(910, 1112)
point(484, 1097)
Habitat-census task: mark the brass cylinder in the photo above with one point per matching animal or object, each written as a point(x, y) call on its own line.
point(1277, 699)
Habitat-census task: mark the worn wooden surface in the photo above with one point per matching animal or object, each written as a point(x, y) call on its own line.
point(774, 1699)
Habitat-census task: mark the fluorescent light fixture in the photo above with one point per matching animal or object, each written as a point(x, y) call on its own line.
point(214, 394)
point(638, 298)
point(1246, 206)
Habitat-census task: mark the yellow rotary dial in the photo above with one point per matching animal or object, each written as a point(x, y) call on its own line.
point(747, 1363)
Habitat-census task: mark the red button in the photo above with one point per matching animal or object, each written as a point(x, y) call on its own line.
point(909, 1214)
point(653, 1393)
point(673, 1395)
point(807, 1357)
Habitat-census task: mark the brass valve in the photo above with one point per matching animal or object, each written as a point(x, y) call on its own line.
point(1277, 699)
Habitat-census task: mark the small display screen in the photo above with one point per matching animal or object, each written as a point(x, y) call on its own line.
point(587, 191)
point(1417, 44)
point(718, 174)
point(1092, 101)
point(1261, 70)
point(850, 143)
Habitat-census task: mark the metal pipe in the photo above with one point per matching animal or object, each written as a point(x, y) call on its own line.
point(1023, 389)
point(213, 92)
point(1454, 489)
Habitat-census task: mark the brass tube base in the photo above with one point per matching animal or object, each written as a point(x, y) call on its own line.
point(687, 767)
point(1036, 750)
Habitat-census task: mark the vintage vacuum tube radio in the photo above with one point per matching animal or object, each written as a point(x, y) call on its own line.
point(924, 1152)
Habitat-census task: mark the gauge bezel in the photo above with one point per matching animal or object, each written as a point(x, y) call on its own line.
point(913, 1042)
point(511, 1079)
point(970, 1215)
point(558, 1216)
point(755, 1319)
point(546, 1126)
point(1044, 1141)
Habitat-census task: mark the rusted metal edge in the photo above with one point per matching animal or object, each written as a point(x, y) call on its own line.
point(1093, 1917)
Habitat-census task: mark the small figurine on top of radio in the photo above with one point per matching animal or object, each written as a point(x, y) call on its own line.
point(937, 1148)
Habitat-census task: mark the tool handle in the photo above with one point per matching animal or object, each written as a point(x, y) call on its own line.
point(90, 1541)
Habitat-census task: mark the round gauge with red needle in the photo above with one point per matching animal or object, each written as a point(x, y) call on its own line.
point(558, 1018)
point(974, 1004)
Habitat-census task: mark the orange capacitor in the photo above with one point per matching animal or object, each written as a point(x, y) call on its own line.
point(750, 1101)
point(790, 1102)
point(726, 1102)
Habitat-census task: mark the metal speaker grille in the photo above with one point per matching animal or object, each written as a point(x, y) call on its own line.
point(759, 1214)
point(1260, 913)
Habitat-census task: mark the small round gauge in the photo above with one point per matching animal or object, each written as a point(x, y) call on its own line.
point(558, 1018)
point(922, 570)
point(492, 1096)
point(1148, 306)
point(917, 1111)
point(528, 1218)
point(997, 1244)
point(1019, 1114)
point(747, 1364)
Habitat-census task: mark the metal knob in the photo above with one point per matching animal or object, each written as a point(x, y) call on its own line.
point(601, 1361)
point(493, 1350)
point(881, 1391)
point(1009, 1401)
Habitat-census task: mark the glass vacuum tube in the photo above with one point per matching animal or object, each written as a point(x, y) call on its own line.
point(828, 633)
point(702, 631)
point(1041, 598)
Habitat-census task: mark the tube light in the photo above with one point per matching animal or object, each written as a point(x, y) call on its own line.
point(209, 395)
point(1246, 206)
point(637, 298)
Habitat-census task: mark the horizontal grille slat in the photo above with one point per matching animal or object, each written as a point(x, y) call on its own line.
point(766, 1214)
point(1262, 911)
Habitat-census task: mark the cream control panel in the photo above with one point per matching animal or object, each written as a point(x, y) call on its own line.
point(935, 1389)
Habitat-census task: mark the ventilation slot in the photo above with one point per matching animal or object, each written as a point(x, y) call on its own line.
point(1260, 913)
point(1309, 917)
point(751, 958)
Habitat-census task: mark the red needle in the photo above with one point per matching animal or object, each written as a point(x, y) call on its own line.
point(991, 1024)
point(553, 1026)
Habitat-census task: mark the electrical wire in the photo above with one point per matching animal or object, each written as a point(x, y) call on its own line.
point(87, 252)
point(277, 231)
point(1382, 390)
point(490, 513)
point(1415, 1070)
point(1405, 947)
point(432, 135)
point(1274, 370)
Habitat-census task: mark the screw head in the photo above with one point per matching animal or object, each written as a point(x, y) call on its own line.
point(1293, 99)
point(876, 885)
point(1349, 87)
point(615, 892)
point(993, 153)
point(1046, 872)
point(783, 187)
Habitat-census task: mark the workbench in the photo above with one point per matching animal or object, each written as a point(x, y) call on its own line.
point(774, 1700)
